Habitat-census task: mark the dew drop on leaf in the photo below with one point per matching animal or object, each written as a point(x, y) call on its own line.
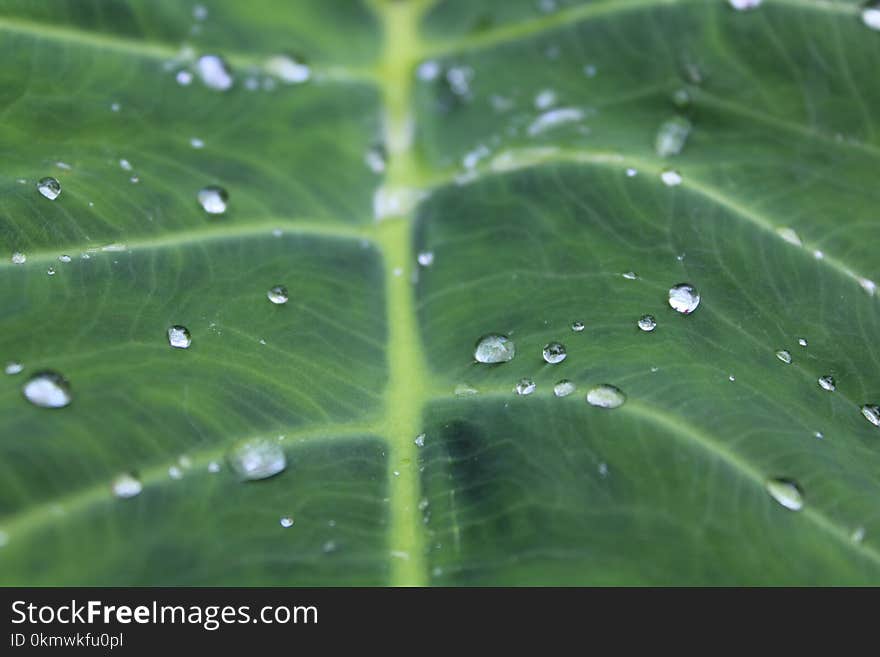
point(213, 199)
point(48, 390)
point(790, 236)
point(684, 298)
point(577, 327)
point(826, 382)
point(630, 276)
point(426, 258)
point(13, 367)
point(871, 15)
point(784, 355)
point(375, 158)
point(672, 136)
point(64, 258)
point(18, 258)
point(290, 70)
point(564, 388)
point(871, 412)
point(214, 72)
point(647, 323)
point(420, 440)
point(494, 348)
point(670, 177)
point(802, 342)
point(126, 485)
point(524, 387)
point(184, 78)
point(286, 522)
point(257, 458)
point(554, 352)
point(786, 492)
point(175, 472)
point(606, 396)
point(179, 337)
point(465, 390)
point(278, 295)
point(745, 5)
point(49, 187)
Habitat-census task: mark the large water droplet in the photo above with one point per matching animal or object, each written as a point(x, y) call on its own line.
point(257, 458)
point(744, 5)
point(49, 187)
point(213, 199)
point(494, 348)
point(826, 382)
point(554, 352)
point(784, 355)
point(47, 389)
point(871, 15)
point(786, 492)
point(126, 485)
point(564, 388)
point(179, 337)
point(278, 294)
point(524, 387)
point(606, 396)
point(684, 298)
point(214, 72)
point(647, 323)
point(290, 70)
point(671, 136)
point(872, 414)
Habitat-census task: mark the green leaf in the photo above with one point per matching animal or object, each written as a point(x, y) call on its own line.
point(520, 144)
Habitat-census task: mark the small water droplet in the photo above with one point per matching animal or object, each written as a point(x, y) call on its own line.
point(606, 396)
point(179, 337)
point(125, 165)
point(524, 387)
point(744, 5)
point(48, 390)
point(670, 177)
point(465, 390)
point(213, 467)
point(784, 355)
point(18, 258)
point(632, 173)
point(64, 258)
point(868, 285)
point(420, 440)
point(290, 70)
point(672, 136)
point(286, 521)
point(871, 412)
point(802, 342)
point(545, 99)
point(184, 78)
point(564, 388)
point(494, 348)
point(786, 492)
point(213, 199)
point(195, 142)
point(49, 187)
point(200, 12)
point(871, 15)
point(647, 323)
point(826, 382)
point(214, 72)
point(426, 258)
point(257, 458)
point(278, 294)
point(13, 367)
point(819, 435)
point(428, 70)
point(577, 327)
point(126, 485)
point(731, 378)
point(603, 469)
point(684, 298)
point(681, 98)
point(630, 276)
point(375, 158)
point(789, 236)
point(554, 352)
point(554, 118)
point(115, 107)
point(858, 534)
point(328, 547)
point(175, 472)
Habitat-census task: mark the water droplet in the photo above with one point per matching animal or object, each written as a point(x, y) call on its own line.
point(731, 378)
point(49, 187)
point(554, 352)
point(868, 285)
point(858, 534)
point(214, 72)
point(420, 440)
point(213, 199)
point(175, 472)
point(195, 142)
point(872, 414)
point(789, 236)
point(786, 492)
point(670, 177)
point(290, 70)
point(684, 298)
point(630, 276)
point(64, 258)
point(554, 118)
point(606, 396)
point(546, 98)
point(126, 485)
point(826, 382)
point(278, 294)
point(257, 458)
point(632, 173)
point(179, 337)
point(681, 98)
point(426, 258)
point(328, 547)
point(428, 70)
point(564, 388)
point(18, 258)
point(213, 467)
point(672, 136)
point(465, 390)
point(577, 327)
point(494, 348)
point(871, 15)
point(802, 342)
point(125, 165)
point(200, 12)
point(51, 271)
point(819, 435)
point(375, 158)
point(184, 78)
point(784, 355)
point(286, 521)
point(647, 323)
point(524, 387)
point(743, 5)
point(115, 107)
point(603, 469)
point(13, 367)
point(47, 389)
